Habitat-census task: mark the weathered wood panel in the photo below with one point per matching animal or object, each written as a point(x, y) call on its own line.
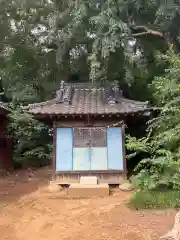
point(2, 126)
point(109, 178)
point(83, 123)
point(6, 163)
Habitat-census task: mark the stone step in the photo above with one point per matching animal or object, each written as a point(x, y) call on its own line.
point(84, 190)
point(88, 180)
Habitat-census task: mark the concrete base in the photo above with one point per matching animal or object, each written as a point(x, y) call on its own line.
point(80, 190)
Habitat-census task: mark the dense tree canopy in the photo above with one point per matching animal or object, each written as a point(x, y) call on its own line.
point(45, 41)
point(98, 40)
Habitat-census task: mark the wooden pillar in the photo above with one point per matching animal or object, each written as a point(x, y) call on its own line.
point(124, 149)
point(54, 152)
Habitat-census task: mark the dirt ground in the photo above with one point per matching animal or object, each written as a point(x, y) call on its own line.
point(29, 212)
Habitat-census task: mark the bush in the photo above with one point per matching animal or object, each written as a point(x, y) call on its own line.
point(160, 172)
point(161, 166)
point(155, 200)
point(32, 139)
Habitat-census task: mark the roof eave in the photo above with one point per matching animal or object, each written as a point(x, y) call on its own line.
point(51, 115)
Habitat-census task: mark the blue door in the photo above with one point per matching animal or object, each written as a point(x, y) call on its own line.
point(115, 151)
point(81, 150)
point(90, 149)
point(81, 159)
point(99, 158)
point(64, 146)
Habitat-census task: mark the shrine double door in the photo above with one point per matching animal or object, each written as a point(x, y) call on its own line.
point(82, 149)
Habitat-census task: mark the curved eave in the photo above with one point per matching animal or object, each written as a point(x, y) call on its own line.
point(44, 115)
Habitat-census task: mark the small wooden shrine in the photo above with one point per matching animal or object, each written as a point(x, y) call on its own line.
point(88, 131)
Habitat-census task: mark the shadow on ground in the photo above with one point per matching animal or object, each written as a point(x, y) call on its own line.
point(23, 182)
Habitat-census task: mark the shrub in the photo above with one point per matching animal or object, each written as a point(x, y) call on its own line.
point(32, 139)
point(155, 200)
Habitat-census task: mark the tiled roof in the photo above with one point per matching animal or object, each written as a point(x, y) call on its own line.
point(75, 99)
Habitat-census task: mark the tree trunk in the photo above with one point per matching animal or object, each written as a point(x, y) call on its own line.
point(174, 234)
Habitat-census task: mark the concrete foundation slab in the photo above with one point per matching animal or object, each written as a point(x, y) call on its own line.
point(83, 190)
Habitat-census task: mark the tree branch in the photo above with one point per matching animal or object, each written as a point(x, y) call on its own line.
point(149, 32)
point(138, 31)
point(139, 28)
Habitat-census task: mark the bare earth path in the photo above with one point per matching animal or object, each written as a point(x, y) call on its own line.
point(29, 212)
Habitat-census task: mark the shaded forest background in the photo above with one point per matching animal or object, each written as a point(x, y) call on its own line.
point(135, 42)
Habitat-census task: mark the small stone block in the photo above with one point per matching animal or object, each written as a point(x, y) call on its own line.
point(88, 180)
point(54, 187)
point(127, 186)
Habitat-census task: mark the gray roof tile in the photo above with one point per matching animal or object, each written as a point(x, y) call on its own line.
point(87, 100)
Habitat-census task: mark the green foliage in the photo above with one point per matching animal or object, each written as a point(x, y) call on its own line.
point(162, 171)
point(27, 75)
point(32, 139)
point(162, 165)
point(155, 200)
point(135, 146)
